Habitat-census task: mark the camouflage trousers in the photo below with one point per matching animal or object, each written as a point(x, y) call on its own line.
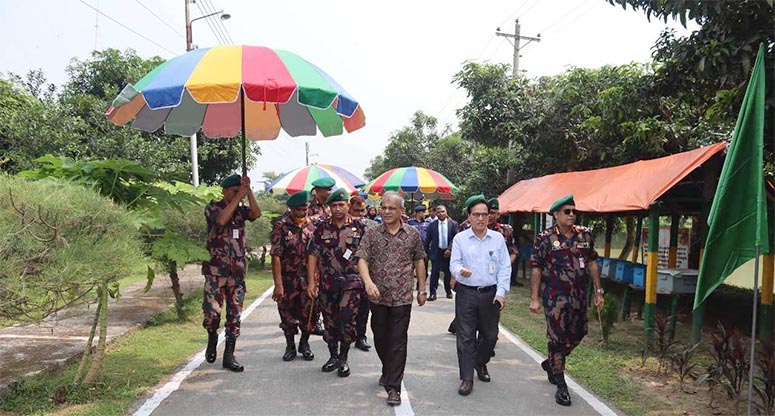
point(217, 290)
point(297, 310)
point(339, 312)
point(566, 326)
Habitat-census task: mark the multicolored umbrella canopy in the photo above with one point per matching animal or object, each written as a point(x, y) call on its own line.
point(414, 181)
point(301, 179)
point(225, 90)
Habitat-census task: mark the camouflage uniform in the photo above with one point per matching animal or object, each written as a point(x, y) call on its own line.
point(289, 243)
point(318, 213)
point(340, 284)
point(564, 280)
point(225, 272)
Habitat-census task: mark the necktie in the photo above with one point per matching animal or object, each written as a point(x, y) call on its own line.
point(443, 237)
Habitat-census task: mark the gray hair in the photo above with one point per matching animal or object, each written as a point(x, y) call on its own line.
point(393, 194)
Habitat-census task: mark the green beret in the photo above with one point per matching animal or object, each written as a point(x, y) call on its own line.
point(323, 183)
point(474, 199)
point(493, 203)
point(338, 195)
point(566, 200)
point(233, 180)
point(299, 199)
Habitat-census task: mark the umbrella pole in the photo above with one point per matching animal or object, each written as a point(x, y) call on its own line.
point(244, 138)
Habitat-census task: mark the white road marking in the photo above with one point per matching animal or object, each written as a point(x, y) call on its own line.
point(405, 408)
point(596, 404)
point(152, 403)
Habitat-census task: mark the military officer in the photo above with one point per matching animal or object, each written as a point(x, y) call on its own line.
point(225, 271)
point(290, 237)
point(333, 247)
point(318, 211)
point(562, 262)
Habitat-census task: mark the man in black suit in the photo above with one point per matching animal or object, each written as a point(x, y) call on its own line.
point(438, 245)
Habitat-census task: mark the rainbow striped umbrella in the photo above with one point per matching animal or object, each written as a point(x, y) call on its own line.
point(301, 179)
point(414, 182)
point(225, 90)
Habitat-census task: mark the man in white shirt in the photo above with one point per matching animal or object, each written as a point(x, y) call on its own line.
point(481, 269)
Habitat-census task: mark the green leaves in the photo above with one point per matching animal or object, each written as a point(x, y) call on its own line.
point(177, 248)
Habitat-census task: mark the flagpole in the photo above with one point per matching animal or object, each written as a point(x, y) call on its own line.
point(753, 329)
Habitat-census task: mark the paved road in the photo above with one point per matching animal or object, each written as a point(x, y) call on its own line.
point(270, 386)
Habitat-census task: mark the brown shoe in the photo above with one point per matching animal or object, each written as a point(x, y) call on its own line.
point(466, 387)
point(482, 373)
point(394, 397)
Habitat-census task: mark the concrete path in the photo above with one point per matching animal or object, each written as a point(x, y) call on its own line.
point(29, 349)
point(270, 386)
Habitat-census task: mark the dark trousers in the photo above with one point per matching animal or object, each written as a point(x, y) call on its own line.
point(390, 325)
point(475, 314)
point(363, 317)
point(438, 265)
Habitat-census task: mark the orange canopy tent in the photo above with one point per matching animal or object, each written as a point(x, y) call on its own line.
point(631, 187)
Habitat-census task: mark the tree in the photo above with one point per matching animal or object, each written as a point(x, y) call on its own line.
point(409, 146)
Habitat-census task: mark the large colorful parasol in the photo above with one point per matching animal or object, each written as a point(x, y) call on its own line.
point(301, 179)
point(225, 90)
point(414, 182)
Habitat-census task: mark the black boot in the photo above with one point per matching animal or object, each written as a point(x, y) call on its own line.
point(344, 369)
point(290, 348)
point(212, 343)
point(229, 362)
point(304, 349)
point(333, 362)
point(562, 397)
point(549, 371)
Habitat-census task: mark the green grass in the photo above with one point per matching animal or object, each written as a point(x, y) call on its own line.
point(134, 363)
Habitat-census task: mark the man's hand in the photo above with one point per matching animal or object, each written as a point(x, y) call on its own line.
point(465, 272)
point(312, 291)
point(421, 299)
point(535, 306)
point(453, 283)
point(278, 294)
point(372, 291)
point(447, 253)
point(245, 181)
point(599, 301)
point(501, 301)
point(242, 192)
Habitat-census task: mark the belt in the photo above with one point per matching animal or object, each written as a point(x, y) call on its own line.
point(478, 288)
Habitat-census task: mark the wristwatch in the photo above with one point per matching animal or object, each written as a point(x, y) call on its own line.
point(600, 291)
point(422, 294)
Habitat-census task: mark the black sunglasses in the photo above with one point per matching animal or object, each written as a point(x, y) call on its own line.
point(568, 211)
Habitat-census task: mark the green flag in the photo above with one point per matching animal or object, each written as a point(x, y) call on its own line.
point(737, 222)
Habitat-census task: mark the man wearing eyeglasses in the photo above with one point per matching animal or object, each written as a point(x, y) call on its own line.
point(563, 261)
point(481, 268)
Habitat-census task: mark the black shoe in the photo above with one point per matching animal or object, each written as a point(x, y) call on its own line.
point(449, 296)
point(362, 345)
point(306, 352)
point(562, 397)
point(466, 387)
point(482, 373)
point(432, 297)
point(549, 372)
point(394, 397)
point(290, 353)
point(229, 362)
point(344, 369)
point(331, 365)
point(212, 344)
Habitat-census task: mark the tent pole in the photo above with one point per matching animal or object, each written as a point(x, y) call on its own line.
point(651, 275)
point(244, 136)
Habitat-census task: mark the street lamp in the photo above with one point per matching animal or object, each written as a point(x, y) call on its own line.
point(189, 46)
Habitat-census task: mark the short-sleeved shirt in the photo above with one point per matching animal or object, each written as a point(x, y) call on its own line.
point(421, 226)
point(289, 243)
point(318, 212)
point(391, 262)
point(564, 262)
point(226, 244)
point(331, 244)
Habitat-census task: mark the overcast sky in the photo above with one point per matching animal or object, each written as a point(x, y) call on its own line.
point(394, 57)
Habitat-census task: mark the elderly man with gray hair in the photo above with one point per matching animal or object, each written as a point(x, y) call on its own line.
point(390, 256)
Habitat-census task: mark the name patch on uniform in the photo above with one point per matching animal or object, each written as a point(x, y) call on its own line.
point(235, 234)
point(347, 254)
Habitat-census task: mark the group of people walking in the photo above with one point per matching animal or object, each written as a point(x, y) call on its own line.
point(329, 257)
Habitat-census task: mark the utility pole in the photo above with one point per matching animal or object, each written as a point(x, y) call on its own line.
point(307, 154)
point(516, 43)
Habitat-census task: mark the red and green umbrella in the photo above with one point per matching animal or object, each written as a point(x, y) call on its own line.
point(414, 182)
point(225, 90)
point(301, 179)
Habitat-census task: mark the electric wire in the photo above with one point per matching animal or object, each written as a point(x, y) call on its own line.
point(126, 27)
point(177, 32)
